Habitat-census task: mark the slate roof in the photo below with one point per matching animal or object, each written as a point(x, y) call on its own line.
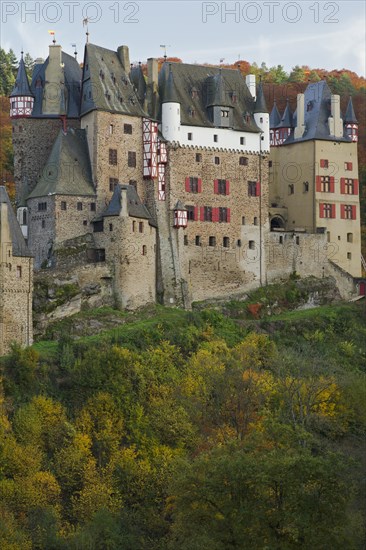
point(18, 243)
point(21, 87)
point(317, 98)
point(350, 116)
point(209, 83)
point(138, 81)
point(109, 84)
point(67, 171)
point(72, 76)
point(287, 117)
point(274, 117)
point(135, 208)
point(260, 103)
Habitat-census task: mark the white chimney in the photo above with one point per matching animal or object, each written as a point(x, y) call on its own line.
point(335, 122)
point(250, 81)
point(300, 113)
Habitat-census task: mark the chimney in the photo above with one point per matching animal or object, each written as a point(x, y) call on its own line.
point(152, 94)
point(300, 113)
point(124, 210)
point(250, 81)
point(335, 122)
point(54, 86)
point(124, 57)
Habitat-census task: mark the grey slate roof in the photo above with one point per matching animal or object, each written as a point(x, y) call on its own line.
point(135, 208)
point(216, 91)
point(67, 171)
point(350, 116)
point(317, 97)
point(201, 78)
point(21, 87)
point(260, 103)
point(274, 117)
point(287, 117)
point(170, 94)
point(106, 84)
point(18, 242)
point(139, 83)
point(72, 75)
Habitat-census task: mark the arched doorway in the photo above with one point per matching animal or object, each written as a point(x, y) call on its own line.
point(277, 223)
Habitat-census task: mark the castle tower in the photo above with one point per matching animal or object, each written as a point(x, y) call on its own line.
point(285, 126)
point(350, 122)
point(21, 97)
point(170, 110)
point(261, 118)
point(274, 121)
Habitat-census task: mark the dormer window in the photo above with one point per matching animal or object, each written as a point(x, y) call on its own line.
point(194, 93)
point(309, 106)
point(191, 112)
point(101, 74)
point(234, 97)
point(224, 113)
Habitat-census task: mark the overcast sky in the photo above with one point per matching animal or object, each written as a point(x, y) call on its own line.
point(323, 34)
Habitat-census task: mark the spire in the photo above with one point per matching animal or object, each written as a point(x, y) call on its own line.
point(286, 120)
point(350, 117)
point(274, 117)
point(21, 86)
point(170, 92)
point(260, 103)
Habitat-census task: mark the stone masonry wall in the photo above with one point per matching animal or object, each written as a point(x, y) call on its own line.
point(41, 229)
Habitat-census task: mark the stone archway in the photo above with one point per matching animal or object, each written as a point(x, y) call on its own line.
point(277, 222)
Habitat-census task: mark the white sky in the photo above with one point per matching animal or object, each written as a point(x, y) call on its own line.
point(321, 34)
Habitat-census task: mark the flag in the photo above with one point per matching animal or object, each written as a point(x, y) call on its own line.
point(222, 60)
point(51, 32)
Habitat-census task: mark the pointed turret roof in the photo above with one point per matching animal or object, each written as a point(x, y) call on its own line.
point(138, 81)
point(216, 91)
point(274, 117)
point(17, 239)
point(260, 103)
point(350, 116)
point(21, 86)
point(170, 94)
point(135, 208)
point(286, 120)
point(67, 171)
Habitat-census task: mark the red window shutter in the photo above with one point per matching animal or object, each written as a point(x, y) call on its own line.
point(199, 185)
point(333, 212)
point(321, 210)
point(228, 215)
point(343, 214)
point(215, 214)
point(355, 187)
point(202, 213)
point(331, 184)
point(227, 187)
point(188, 186)
point(216, 187)
point(258, 189)
point(349, 166)
point(322, 163)
point(318, 184)
point(343, 186)
point(196, 213)
point(353, 211)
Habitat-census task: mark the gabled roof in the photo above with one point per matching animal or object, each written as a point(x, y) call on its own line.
point(109, 84)
point(72, 78)
point(21, 87)
point(67, 171)
point(274, 117)
point(208, 83)
point(135, 208)
point(18, 243)
point(260, 104)
point(350, 116)
point(317, 99)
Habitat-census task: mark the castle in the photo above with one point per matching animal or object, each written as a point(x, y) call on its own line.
point(181, 185)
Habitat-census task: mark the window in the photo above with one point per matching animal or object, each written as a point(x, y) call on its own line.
point(191, 112)
point(217, 160)
point(324, 163)
point(221, 187)
point(193, 185)
point(132, 159)
point(19, 272)
point(198, 240)
point(63, 205)
point(243, 161)
point(238, 243)
point(325, 184)
point(194, 93)
point(144, 250)
point(261, 120)
point(98, 226)
point(113, 156)
point(297, 240)
point(224, 113)
point(280, 240)
point(207, 214)
point(111, 227)
point(253, 188)
point(79, 206)
point(190, 213)
point(348, 166)
point(190, 136)
point(251, 245)
point(141, 227)
point(270, 164)
point(133, 183)
point(212, 241)
point(198, 157)
point(243, 220)
point(255, 220)
point(348, 212)
point(127, 128)
point(291, 189)
point(224, 215)
point(349, 186)
point(111, 129)
point(42, 206)
point(112, 183)
point(350, 237)
point(185, 240)
point(133, 226)
point(305, 187)
point(216, 138)
point(226, 242)
point(92, 207)
point(349, 256)
point(242, 141)
point(327, 210)
point(43, 224)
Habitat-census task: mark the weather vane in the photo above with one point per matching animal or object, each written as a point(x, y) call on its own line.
point(52, 33)
point(165, 46)
point(86, 24)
